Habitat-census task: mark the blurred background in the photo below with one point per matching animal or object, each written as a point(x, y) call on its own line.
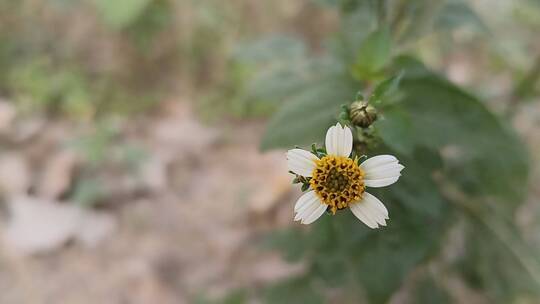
point(131, 168)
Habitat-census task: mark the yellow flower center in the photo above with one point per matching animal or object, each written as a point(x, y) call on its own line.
point(338, 181)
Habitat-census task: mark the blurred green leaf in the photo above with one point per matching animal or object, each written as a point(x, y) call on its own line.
point(458, 13)
point(88, 192)
point(393, 125)
point(385, 89)
point(427, 291)
point(484, 248)
point(305, 116)
point(475, 145)
point(286, 241)
point(296, 290)
point(374, 54)
point(273, 49)
point(121, 13)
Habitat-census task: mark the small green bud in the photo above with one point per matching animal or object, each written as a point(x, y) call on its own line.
point(362, 114)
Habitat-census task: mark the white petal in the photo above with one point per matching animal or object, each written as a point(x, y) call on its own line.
point(311, 208)
point(309, 203)
point(339, 141)
point(383, 182)
point(347, 142)
point(381, 170)
point(377, 161)
point(301, 161)
point(375, 204)
point(331, 141)
point(370, 210)
point(306, 211)
point(315, 215)
point(305, 200)
point(361, 215)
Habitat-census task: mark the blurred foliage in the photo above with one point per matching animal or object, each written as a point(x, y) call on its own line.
point(45, 69)
point(103, 148)
point(91, 59)
point(88, 59)
point(463, 162)
point(123, 13)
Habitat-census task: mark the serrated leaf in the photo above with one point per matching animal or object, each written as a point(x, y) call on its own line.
point(475, 145)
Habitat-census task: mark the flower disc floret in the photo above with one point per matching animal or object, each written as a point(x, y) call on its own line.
point(338, 181)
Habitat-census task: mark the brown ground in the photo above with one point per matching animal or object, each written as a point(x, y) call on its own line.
point(189, 226)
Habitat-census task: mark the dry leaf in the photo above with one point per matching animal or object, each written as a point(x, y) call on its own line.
point(39, 226)
point(57, 175)
point(14, 174)
point(7, 115)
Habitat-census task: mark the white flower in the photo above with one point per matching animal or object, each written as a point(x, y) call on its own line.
point(337, 181)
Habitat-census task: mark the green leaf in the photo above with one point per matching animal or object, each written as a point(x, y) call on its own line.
point(458, 13)
point(305, 117)
point(121, 13)
point(385, 89)
point(394, 125)
point(296, 290)
point(475, 145)
point(272, 49)
point(427, 291)
point(484, 248)
point(374, 54)
point(288, 241)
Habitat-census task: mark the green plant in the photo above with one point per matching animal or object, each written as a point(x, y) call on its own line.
point(465, 170)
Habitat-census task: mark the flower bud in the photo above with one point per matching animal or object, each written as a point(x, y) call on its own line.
point(362, 114)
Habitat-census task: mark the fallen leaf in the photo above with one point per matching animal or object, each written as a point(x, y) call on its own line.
point(7, 115)
point(57, 175)
point(14, 174)
point(38, 225)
